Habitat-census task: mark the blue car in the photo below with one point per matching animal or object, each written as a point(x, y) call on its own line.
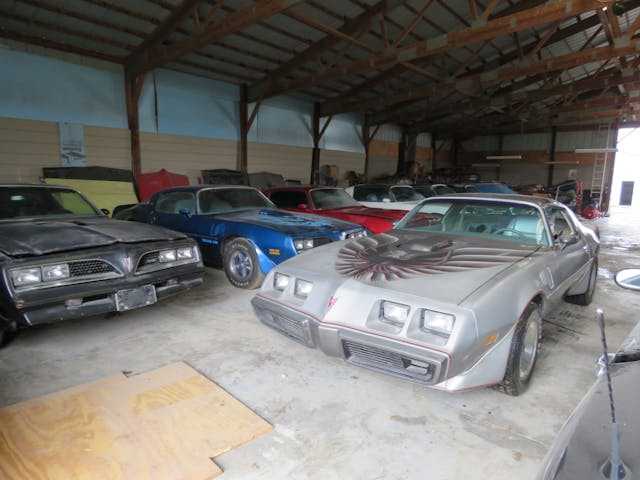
point(240, 228)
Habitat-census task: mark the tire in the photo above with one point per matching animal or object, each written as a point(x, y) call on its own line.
point(524, 351)
point(585, 298)
point(241, 265)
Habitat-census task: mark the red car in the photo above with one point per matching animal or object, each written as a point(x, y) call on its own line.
point(333, 202)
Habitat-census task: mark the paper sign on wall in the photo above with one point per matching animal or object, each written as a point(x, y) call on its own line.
point(72, 145)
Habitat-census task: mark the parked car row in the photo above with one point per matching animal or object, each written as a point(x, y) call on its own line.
point(377, 293)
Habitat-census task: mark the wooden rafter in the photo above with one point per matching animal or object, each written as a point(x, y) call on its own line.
point(500, 75)
point(265, 87)
point(539, 15)
point(232, 23)
point(136, 62)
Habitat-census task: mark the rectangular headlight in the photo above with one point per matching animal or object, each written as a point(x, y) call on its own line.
point(437, 322)
point(394, 313)
point(358, 234)
point(184, 253)
point(303, 288)
point(280, 281)
point(303, 243)
point(55, 272)
point(26, 276)
point(167, 256)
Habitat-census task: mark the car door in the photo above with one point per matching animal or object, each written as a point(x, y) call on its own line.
point(570, 249)
point(175, 210)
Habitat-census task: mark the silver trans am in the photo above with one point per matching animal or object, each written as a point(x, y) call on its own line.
point(453, 297)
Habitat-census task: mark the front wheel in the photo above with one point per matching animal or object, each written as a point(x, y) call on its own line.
point(241, 265)
point(524, 351)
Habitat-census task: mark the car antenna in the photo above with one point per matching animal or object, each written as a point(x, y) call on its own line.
point(613, 468)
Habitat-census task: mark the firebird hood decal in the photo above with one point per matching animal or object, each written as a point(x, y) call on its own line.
point(287, 222)
point(388, 257)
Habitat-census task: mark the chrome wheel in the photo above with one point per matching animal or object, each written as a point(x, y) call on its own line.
point(241, 264)
point(529, 346)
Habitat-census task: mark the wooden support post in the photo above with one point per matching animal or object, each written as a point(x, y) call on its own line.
point(433, 153)
point(552, 156)
point(315, 156)
point(366, 140)
point(133, 88)
point(402, 151)
point(410, 154)
point(244, 130)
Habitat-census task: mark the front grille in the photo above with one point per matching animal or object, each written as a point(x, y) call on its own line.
point(289, 326)
point(149, 259)
point(85, 268)
point(388, 362)
point(321, 241)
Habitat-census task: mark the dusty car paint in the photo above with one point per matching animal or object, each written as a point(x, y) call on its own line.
point(110, 265)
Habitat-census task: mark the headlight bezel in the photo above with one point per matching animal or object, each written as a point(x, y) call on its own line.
point(441, 323)
point(302, 288)
point(277, 285)
point(386, 311)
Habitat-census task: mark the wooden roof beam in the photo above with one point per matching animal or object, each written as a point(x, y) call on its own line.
point(135, 63)
point(232, 23)
point(497, 27)
point(496, 77)
point(265, 87)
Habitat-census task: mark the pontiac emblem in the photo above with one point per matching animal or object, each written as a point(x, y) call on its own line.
point(127, 263)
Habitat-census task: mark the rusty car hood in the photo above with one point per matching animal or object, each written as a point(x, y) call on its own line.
point(446, 267)
point(42, 236)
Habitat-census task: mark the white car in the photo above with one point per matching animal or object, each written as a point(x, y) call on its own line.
point(390, 197)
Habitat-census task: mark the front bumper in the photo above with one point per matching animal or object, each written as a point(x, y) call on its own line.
point(99, 297)
point(386, 355)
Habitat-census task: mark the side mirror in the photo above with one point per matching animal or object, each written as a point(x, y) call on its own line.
point(185, 211)
point(566, 240)
point(302, 206)
point(629, 278)
point(105, 211)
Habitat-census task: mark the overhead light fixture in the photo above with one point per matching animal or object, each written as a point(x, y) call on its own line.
point(503, 157)
point(595, 150)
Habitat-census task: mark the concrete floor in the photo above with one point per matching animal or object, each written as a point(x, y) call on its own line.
point(332, 419)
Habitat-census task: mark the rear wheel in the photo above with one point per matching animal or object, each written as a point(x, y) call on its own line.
point(241, 264)
point(524, 351)
point(586, 297)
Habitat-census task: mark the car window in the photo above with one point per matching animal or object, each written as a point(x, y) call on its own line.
point(332, 198)
point(406, 194)
point(217, 200)
point(442, 189)
point(24, 202)
point(288, 198)
point(173, 202)
point(559, 222)
point(371, 193)
point(498, 220)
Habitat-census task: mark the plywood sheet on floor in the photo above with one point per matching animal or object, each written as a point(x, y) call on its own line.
point(163, 424)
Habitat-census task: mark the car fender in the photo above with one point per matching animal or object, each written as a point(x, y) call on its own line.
point(265, 263)
point(488, 370)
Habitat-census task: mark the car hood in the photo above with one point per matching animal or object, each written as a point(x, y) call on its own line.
point(370, 212)
point(288, 222)
point(446, 267)
point(38, 237)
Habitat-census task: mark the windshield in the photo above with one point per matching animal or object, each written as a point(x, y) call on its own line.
point(478, 218)
point(332, 198)
point(218, 200)
point(432, 190)
point(406, 193)
point(30, 202)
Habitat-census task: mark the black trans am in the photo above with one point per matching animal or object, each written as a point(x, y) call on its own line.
point(62, 258)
